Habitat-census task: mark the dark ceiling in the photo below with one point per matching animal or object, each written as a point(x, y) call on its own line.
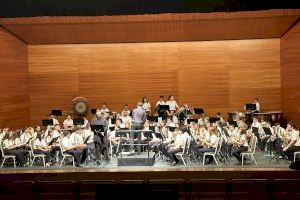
point(30, 8)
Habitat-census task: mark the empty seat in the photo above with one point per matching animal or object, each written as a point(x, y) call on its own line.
point(250, 189)
point(96, 189)
point(17, 190)
point(208, 189)
point(167, 189)
point(57, 190)
point(287, 189)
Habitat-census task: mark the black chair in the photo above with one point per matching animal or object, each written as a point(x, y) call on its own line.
point(167, 189)
point(287, 189)
point(208, 189)
point(96, 189)
point(65, 190)
point(17, 190)
point(258, 189)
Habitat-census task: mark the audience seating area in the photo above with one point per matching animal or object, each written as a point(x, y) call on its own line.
point(153, 189)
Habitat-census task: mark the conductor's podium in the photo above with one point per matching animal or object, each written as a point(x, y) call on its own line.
point(145, 158)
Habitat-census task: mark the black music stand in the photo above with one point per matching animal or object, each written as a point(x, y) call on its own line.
point(56, 112)
point(153, 118)
point(250, 106)
point(233, 123)
point(171, 128)
point(214, 119)
point(198, 111)
point(47, 122)
point(192, 120)
point(78, 121)
point(162, 110)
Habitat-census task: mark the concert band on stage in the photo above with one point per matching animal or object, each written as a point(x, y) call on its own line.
point(172, 130)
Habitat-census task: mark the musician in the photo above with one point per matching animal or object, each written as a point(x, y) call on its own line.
point(88, 138)
point(55, 121)
point(40, 147)
point(11, 144)
point(104, 109)
point(3, 133)
point(68, 147)
point(219, 115)
point(256, 102)
point(125, 117)
point(101, 140)
point(56, 132)
point(278, 138)
point(233, 137)
point(126, 109)
point(146, 105)
point(160, 102)
point(241, 145)
point(210, 144)
point(68, 123)
point(177, 146)
point(257, 129)
point(294, 144)
point(172, 103)
point(268, 133)
point(26, 136)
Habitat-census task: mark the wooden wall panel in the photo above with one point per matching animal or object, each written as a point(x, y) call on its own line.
point(290, 73)
point(255, 72)
point(217, 76)
point(14, 102)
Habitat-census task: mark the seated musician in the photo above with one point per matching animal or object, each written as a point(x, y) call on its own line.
point(160, 102)
point(88, 138)
point(26, 136)
point(172, 103)
point(52, 137)
point(40, 147)
point(256, 102)
point(257, 129)
point(293, 144)
point(74, 150)
point(125, 117)
point(233, 136)
point(241, 145)
point(104, 109)
point(3, 133)
point(146, 105)
point(209, 145)
point(265, 138)
point(126, 109)
point(278, 138)
point(11, 144)
point(68, 123)
point(55, 121)
point(156, 140)
point(179, 142)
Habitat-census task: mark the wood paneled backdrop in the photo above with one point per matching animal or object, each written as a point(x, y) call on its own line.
point(216, 75)
point(290, 74)
point(14, 98)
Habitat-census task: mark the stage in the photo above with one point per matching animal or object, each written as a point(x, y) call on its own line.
point(266, 169)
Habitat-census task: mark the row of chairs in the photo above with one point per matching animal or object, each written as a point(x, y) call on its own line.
point(154, 189)
point(33, 156)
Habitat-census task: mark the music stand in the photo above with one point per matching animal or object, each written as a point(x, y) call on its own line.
point(198, 111)
point(153, 118)
point(192, 120)
point(47, 122)
point(234, 123)
point(250, 106)
point(78, 121)
point(97, 128)
point(171, 128)
point(214, 119)
point(163, 107)
point(267, 131)
point(56, 112)
point(112, 128)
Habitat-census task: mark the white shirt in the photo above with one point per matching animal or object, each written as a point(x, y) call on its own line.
point(295, 137)
point(146, 106)
point(66, 143)
point(55, 134)
point(88, 133)
point(76, 138)
point(25, 137)
point(126, 119)
point(180, 141)
point(257, 106)
point(55, 121)
point(68, 122)
point(213, 139)
point(104, 110)
point(160, 103)
point(172, 104)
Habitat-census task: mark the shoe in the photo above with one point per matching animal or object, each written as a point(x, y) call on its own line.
point(174, 163)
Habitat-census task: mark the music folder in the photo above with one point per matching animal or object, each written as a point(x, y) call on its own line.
point(153, 118)
point(171, 128)
point(53, 141)
point(56, 112)
point(267, 131)
point(234, 123)
point(93, 111)
point(78, 121)
point(255, 130)
point(47, 122)
point(163, 107)
point(192, 120)
point(214, 119)
point(97, 128)
point(198, 111)
point(250, 106)
point(86, 140)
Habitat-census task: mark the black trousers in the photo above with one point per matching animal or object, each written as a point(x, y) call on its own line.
point(135, 137)
point(19, 153)
point(290, 152)
point(47, 153)
point(76, 153)
point(237, 152)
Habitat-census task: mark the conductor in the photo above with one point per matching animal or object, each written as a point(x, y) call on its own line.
point(139, 117)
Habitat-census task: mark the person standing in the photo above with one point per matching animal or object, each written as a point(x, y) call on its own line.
point(139, 117)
